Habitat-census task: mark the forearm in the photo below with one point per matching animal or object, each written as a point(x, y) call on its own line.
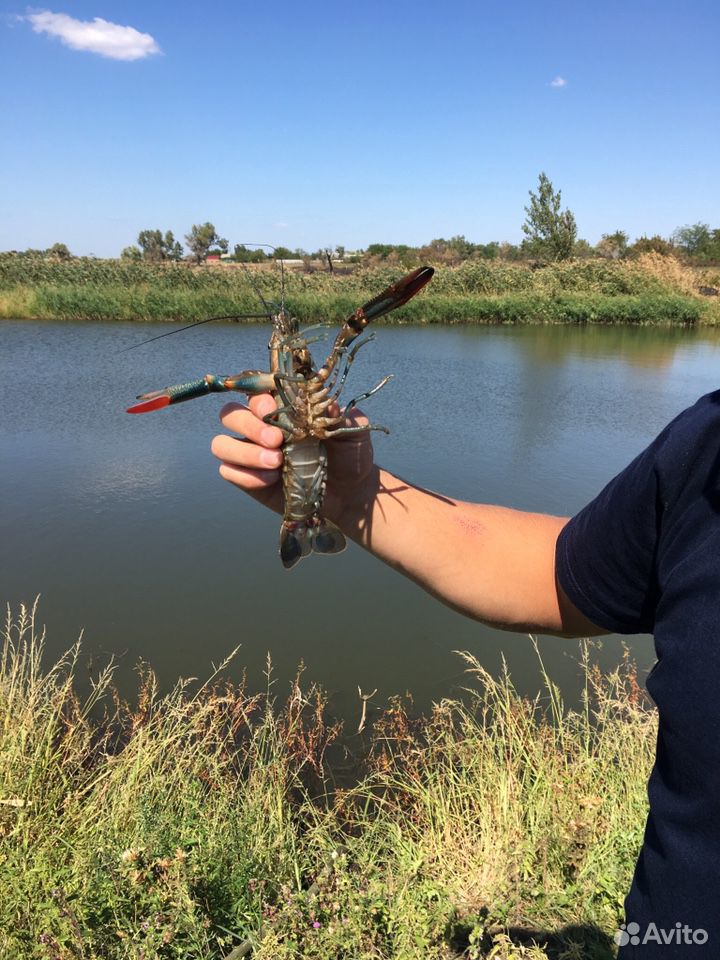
point(490, 563)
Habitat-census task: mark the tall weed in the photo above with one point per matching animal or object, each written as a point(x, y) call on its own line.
point(652, 289)
point(202, 820)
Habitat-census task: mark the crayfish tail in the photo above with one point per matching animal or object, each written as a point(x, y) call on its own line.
point(295, 543)
point(299, 539)
point(327, 538)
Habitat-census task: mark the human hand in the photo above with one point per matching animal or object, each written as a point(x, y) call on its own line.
point(253, 460)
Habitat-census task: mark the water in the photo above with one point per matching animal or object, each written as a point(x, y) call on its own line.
point(123, 526)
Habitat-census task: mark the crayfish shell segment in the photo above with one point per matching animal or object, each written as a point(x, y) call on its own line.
point(299, 539)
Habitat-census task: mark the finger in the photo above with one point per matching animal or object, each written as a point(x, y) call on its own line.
point(239, 453)
point(250, 480)
point(262, 405)
point(248, 421)
point(356, 418)
point(255, 484)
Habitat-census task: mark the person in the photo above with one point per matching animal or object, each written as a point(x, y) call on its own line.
point(642, 557)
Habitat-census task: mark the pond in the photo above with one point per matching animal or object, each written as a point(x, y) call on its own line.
point(124, 528)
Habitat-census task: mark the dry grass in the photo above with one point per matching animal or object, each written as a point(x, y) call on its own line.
point(192, 821)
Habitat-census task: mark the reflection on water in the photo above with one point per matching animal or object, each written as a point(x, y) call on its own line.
point(123, 526)
point(652, 349)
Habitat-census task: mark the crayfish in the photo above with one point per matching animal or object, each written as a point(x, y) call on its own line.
point(303, 394)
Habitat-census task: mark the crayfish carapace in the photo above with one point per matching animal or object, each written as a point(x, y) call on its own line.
point(303, 394)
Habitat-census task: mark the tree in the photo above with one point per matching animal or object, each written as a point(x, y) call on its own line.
point(655, 244)
point(394, 253)
point(156, 247)
point(150, 243)
point(201, 238)
point(693, 239)
point(173, 247)
point(60, 252)
point(613, 245)
point(131, 253)
point(461, 247)
point(582, 250)
point(488, 251)
point(382, 250)
point(241, 254)
point(509, 251)
point(550, 232)
point(712, 251)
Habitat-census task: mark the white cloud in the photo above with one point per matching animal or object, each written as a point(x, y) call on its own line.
point(558, 82)
point(97, 36)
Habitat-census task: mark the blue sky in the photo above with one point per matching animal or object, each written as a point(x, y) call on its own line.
point(315, 124)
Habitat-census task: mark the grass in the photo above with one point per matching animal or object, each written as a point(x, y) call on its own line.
point(206, 821)
point(650, 290)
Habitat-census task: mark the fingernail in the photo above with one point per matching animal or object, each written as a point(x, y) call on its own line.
point(270, 458)
point(268, 435)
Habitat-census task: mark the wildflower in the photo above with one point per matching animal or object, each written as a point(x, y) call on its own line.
point(316, 924)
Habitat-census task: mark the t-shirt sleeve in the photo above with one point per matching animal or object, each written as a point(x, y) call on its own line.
point(606, 555)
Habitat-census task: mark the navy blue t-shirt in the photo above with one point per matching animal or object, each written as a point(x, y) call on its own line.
point(644, 557)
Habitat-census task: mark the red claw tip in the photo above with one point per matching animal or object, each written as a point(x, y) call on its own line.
point(147, 405)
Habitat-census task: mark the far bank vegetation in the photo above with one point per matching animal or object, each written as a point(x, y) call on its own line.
point(650, 289)
point(551, 277)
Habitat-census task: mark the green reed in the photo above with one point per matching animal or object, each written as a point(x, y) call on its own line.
point(595, 291)
point(208, 819)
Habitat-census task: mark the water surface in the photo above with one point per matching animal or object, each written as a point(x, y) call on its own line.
point(123, 526)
